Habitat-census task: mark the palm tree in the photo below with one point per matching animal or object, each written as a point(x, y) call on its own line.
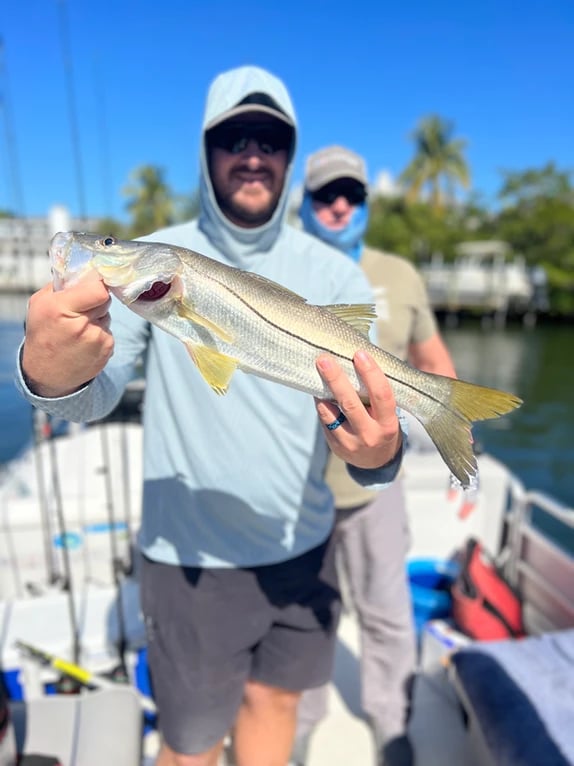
point(151, 202)
point(438, 163)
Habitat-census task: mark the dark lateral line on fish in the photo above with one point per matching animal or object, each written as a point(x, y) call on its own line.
point(334, 353)
point(283, 330)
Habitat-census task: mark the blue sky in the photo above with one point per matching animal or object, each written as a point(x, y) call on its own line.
point(360, 73)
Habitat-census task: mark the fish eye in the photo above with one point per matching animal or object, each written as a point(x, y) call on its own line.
point(108, 241)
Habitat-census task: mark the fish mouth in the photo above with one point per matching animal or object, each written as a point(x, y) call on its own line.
point(68, 261)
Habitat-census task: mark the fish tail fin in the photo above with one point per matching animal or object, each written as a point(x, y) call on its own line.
point(479, 402)
point(452, 437)
point(450, 425)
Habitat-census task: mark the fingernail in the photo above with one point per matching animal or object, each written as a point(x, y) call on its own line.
point(324, 363)
point(363, 357)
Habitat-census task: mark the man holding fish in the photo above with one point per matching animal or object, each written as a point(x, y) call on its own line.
point(238, 582)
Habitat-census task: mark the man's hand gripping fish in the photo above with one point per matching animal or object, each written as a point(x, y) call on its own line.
point(231, 319)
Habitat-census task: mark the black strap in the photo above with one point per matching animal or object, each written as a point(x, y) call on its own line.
point(489, 606)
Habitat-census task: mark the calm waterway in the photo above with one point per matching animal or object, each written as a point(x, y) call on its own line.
point(537, 440)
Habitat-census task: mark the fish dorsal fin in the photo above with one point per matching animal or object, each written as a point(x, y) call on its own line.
point(216, 368)
point(275, 286)
point(186, 311)
point(359, 315)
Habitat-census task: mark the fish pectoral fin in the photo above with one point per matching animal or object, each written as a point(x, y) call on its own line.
point(359, 315)
point(186, 311)
point(216, 368)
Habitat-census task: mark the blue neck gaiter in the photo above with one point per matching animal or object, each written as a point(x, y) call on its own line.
point(349, 240)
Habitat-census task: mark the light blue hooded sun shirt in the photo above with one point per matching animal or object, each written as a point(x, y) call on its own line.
point(234, 480)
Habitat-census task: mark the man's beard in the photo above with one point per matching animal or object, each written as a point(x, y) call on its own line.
point(250, 218)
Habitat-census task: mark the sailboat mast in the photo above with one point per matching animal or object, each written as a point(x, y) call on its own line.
point(72, 107)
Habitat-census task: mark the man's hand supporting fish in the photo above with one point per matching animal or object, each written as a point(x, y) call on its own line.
point(69, 342)
point(366, 427)
point(68, 338)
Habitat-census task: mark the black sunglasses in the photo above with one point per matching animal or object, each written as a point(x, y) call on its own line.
point(233, 137)
point(354, 193)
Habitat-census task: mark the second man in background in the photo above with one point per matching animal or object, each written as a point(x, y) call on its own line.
point(372, 528)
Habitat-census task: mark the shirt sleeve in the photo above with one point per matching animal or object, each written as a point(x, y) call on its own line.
point(380, 478)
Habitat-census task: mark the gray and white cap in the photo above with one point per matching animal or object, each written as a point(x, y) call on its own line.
point(331, 163)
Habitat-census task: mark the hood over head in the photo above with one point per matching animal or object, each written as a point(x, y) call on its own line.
point(322, 168)
point(241, 90)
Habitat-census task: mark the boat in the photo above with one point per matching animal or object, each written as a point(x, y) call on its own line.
point(485, 277)
point(68, 583)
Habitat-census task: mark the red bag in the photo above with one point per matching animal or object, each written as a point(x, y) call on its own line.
point(484, 604)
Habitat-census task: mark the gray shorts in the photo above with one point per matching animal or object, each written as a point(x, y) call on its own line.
point(211, 630)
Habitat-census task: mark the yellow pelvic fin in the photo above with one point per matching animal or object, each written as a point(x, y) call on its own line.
point(216, 368)
point(186, 311)
point(359, 315)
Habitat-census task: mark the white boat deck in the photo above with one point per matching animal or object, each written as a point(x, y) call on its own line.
point(343, 737)
point(436, 727)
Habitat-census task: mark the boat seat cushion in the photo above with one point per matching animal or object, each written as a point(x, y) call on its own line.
point(520, 694)
point(90, 729)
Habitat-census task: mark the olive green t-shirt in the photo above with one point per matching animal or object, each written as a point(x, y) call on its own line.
point(404, 316)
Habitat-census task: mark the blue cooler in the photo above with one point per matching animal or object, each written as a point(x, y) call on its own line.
point(430, 580)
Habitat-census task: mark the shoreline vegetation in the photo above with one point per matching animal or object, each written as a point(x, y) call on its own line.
point(423, 213)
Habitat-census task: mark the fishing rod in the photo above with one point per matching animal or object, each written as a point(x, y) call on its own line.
point(118, 565)
point(40, 432)
point(68, 580)
point(12, 557)
point(128, 566)
point(76, 672)
point(13, 161)
point(133, 398)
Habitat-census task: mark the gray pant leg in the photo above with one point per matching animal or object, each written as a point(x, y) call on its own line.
point(374, 543)
point(312, 709)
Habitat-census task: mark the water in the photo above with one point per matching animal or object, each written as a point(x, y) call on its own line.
point(15, 413)
point(536, 441)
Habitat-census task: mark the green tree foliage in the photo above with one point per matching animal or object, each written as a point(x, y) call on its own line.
point(537, 220)
point(524, 188)
point(150, 201)
point(535, 217)
point(415, 231)
point(152, 204)
point(438, 164)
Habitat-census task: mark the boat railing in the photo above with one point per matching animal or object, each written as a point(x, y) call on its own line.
point(538, 559)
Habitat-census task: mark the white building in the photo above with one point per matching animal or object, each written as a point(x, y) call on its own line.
point(24, 264)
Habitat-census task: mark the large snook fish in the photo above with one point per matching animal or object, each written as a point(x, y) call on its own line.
point(231, 319)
